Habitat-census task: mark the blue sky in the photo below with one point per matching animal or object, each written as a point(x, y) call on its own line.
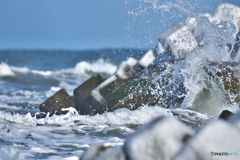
point(85, 24)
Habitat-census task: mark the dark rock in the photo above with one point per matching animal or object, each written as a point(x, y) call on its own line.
point(218, 136)
point(100, 152)
point(83, 101)
point(225, 114)
point(55, 103)
point(159, 139)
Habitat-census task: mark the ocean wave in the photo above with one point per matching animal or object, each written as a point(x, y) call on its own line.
point(81, 68)
point(99, 66)
point(5, 70)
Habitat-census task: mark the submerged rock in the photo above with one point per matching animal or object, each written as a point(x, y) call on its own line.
point(100, 152)
point(82, 95)
point(214, 141)
point(160, 139)
point(55, 103)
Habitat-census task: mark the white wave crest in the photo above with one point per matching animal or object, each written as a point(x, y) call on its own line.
point(5, 70)
point(99, 66)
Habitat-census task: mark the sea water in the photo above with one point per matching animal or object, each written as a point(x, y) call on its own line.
point(29, 77)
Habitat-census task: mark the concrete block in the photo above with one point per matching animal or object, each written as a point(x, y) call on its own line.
point(147, 59)
point(126, 68)
point(82, 94)
point(216, 140)
point(194, 28)
point(225, 115)
point(109, 93)
point(127, 71)
point(55, 103)
point(160, 139)
point(100, 152)
point(178, 40)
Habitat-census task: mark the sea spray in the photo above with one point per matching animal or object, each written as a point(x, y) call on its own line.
point(216, 43)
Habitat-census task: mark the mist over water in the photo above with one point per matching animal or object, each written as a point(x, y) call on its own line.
point(27, 78)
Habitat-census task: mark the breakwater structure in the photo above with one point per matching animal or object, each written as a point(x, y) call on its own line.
point(161, 78)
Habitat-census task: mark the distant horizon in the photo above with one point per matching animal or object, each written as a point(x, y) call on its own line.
point(71, 49)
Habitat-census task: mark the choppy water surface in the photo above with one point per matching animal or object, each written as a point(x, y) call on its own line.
point(27, 78)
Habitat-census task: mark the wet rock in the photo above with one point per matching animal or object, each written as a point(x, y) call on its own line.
point(225, 115)
point(160, 139)
point(100, 152)
point(177, 40)
point(143, 92)
point(108, 94)
point(55, 103)
point(226, 75)
point(82, 94)
point(214, 141)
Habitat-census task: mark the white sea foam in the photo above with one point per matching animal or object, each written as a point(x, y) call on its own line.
point(99, 66)
point(5, 70)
